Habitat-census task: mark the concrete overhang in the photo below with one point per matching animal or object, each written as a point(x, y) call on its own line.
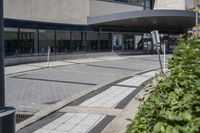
point(164, 20)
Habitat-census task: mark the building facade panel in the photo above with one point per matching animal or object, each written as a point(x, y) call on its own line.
point(58, 11)
point(170, 4)
point(33, 26)
point(98, 8)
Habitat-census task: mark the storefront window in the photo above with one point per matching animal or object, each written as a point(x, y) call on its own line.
point(147, 43)
point(129, 42)
point(76, 44)
point(117, 41)
point(62, 42)
point(139, 42)
point(105, 42)
point(172, 43)
point(11, 42)
point(46, 39)
point(28, 42)
point(92, 41)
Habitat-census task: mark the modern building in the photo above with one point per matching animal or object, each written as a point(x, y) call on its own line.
point(195, 5)
point(192, 4)
point(79, 27)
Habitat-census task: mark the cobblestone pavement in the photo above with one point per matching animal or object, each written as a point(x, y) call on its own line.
point(36, 89)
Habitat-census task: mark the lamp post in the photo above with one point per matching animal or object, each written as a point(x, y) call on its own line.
point(7, 114)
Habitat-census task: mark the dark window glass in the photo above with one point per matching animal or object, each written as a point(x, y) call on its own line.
point(77, 42)
point(11, 42)
point(28, 42)
point(92, 41)
point(46, 39)
point(62, 42)
point(129, 42)
point(105, 42)
point(147, 4)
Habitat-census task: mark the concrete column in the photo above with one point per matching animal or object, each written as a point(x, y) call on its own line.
point(2, 83)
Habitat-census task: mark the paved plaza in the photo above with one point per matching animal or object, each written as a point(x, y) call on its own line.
point(32, 87)
point(93, 114)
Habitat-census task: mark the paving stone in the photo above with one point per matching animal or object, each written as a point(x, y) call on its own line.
point(65, 127)
point(43, 131)
point(79, 122)
point(109, 98)
point(135, 81)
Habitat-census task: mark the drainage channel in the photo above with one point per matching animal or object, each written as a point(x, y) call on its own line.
point(22, 117)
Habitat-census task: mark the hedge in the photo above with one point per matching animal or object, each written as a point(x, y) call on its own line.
point(174, 105)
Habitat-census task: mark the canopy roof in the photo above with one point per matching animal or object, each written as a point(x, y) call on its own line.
point(164, 20)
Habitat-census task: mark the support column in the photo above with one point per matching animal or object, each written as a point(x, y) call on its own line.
point(2, 84)
point(7, 114)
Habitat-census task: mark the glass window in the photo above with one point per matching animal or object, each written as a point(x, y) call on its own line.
point(129, 42)
point(105, 42)
point(11, 42)
point(28, 42)
point(46, 39)
point(92, 41)
point(77, 44)
point(139, 42)
point(62, 42)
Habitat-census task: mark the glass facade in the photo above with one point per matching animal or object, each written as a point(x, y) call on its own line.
point(77, 44)
point(105, 41)
point(46, 39)
point(147, 4)
point(93, 41)
point(62, 42)
point(28, 42)
point(35, 42)
point(11, 41)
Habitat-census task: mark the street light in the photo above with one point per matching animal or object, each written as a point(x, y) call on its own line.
point(7, 114)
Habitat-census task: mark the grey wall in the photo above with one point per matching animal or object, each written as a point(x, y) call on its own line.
point(60, 11)
point(98, 8)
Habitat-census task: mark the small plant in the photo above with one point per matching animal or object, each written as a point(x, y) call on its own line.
point(174, 104)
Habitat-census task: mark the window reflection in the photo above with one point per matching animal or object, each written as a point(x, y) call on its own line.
point(46, 39)
point(11, 41)
point(62, 42)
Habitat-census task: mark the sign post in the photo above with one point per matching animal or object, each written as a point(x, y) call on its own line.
point(164, 60)
point(156, 41)
point(7, 114)
point(48, 55)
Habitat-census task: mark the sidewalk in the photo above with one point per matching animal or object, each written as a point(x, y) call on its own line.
point(106, 111)
point(42, 65)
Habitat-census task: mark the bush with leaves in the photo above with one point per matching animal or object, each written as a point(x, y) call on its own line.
point(174, 105)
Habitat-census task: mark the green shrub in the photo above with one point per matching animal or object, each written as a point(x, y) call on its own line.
point(174, 105)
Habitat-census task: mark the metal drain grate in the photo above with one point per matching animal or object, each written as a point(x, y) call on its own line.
point(22, 117)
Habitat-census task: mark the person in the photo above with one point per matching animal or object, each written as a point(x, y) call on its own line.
point(117, 41)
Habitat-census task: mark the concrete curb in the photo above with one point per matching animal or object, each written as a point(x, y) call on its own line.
point(51, 109)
